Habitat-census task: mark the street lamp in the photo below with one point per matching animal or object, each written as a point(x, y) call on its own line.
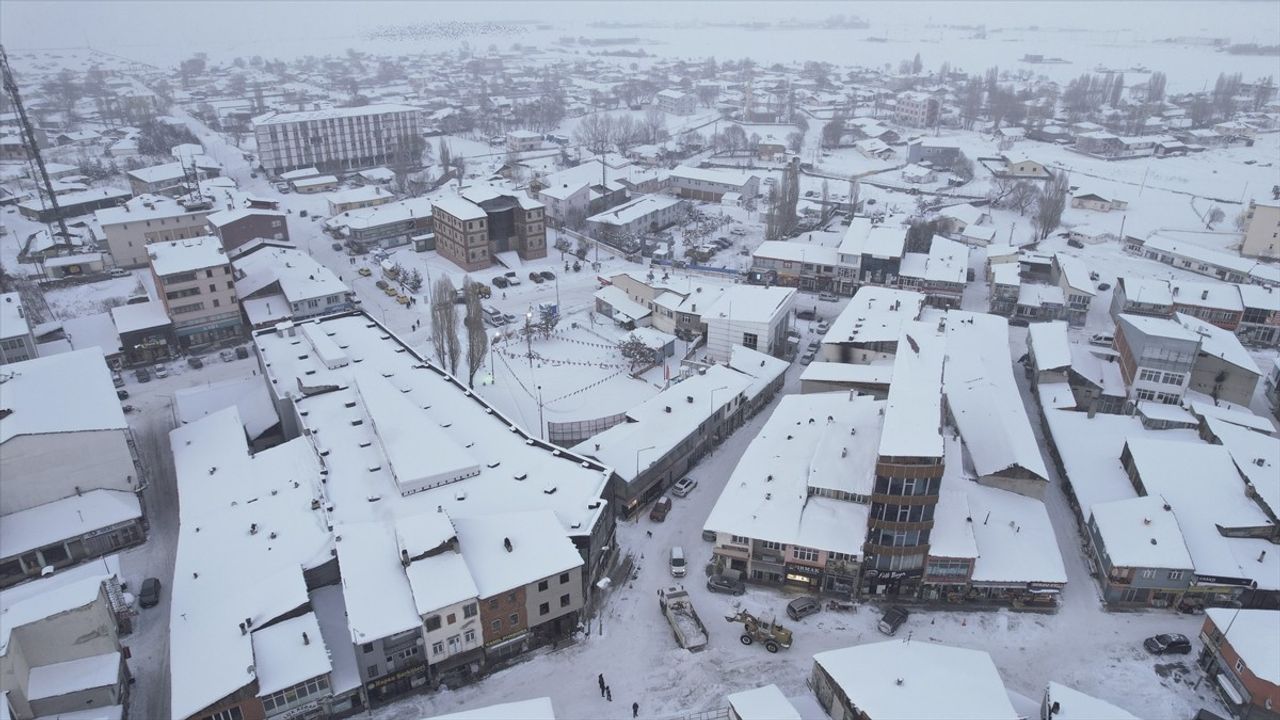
point(492, 350)
point(528, 337)
point(638, 457)
point(541, 424)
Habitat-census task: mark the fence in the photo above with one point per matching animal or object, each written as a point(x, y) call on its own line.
point(572, 432)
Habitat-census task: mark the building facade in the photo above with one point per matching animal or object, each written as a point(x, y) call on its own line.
point(147, 219)
point(237, 227)
point(339, 139)
point(1262, 230)
point(196, 285)
point(470, 232)
point(16, 341)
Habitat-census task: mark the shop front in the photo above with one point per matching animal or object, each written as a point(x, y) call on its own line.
point(390, 686)
point(802, 577)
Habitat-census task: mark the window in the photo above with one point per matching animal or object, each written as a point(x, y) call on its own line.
point(469, 636)
point(750, 341)
point(804, 553)
point(217, 303)
point(496, 625)
point(1149, 375)
point(739, 540)
point(437, 647)
point(564, 578)
point(451, 618)
point(514, 620)
point(231, 713)
point(367, 647)
point(544, 609)
point(770, 545)
point(1239, 665)
point(493, 603)
point(1148, 574)
point(564, 600)
point(1175, 575)
point(371, 671)
point(1172, 379)
point(511, 597)
point(542, 586)
point(433, 622)
point(208, 273)
point(469, 610)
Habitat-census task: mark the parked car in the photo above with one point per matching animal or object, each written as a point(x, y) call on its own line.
point(803, 607)
point(119, 272)
point(823, 326)
point(150, 593)
point(547, 275)
point(161, 371)
point(805, 314)
point(806, 358)
point(536, 278)
point(1167, 644)
point(122, 394)
point(676, 562)
point(365, 272)
point(1075, 244)
point(684, 486)
point(242, 352)
point(117, 379)
point(892, 619)
point(1102, 339)
point(738, 231)
point(142, 375)
point(337, 246)
point(828, 297)
point(726, 584)
point(195, 362)
point(660, 509)
point(227, 355)
point(500, 282)
point(513, 280)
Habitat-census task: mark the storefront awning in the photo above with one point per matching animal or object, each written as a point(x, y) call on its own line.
point(1229, 690)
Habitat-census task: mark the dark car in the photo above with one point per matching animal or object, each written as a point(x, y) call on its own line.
point(1104, 286)
point(892, 619)
point(195, 362)
point(500, 282)
point(122, 394)
point(337, 246)
point(536, 278)
point(803, 607)
point(142, 374)
point(1076, 244)
point(150, 594)
point(1167, 644)
point(725, 584)
point(242, 352)
point(547, 275)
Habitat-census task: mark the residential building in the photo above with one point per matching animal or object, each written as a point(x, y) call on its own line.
point(939, 274)
point(60, 652)
point(710, 184)
point(1205, 261)
point(1156, 357)
point(1006, 286)
point(339, 139)
point(645, 214)
point(940, 152)
point(801, 265)
point(16, 341)
point(874, 251)
point(757, 318)
point(386, 226)
point(523, 140)
point(1262, 230)
point(313, 185)
point(72, 487)
point(72, 204)
point(1260, 323)
point(360, 197)
point(146, 333)
point(867, 331)
point(669, 304)
point(198, 290)
point(170, 177)
point(1238, 654)
point(676, 102)
point(1088, 200)
point(240, 226)
point(1025, 168)
point(1223, 369)
point(1095, 384)
point(1138, 546)
point(148, 219)
point(472, 227)
point(1217, 303)
point(916, 109)
point(1141, 296)
point(573, 194)
point(896, 679)
point(277, 282)
point(1072, 275)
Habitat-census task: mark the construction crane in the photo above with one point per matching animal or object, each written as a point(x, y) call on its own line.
point(29, 137)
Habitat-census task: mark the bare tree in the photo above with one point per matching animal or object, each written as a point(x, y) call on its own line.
point(795, 141)
point(654, 124)
point(1051, 200)
point(1022, 196)
point(1214, 215)
point(443, 316)
point(596, 133)
point(477, 338)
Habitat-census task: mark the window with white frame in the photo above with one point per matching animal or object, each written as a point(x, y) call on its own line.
point(804, 553)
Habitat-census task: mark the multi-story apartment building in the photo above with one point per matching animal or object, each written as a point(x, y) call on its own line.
point(16, 341)
point(647, 213)
point(675, 102)
point(1141, 296)
point(1072, 275)
point(483, 221)
point(915, 109)
point(1156, 357)
point(194, 280)
point(1141, 556)
point(909, 467)
point(1212, 302)
point(339, 139)
point(1262, 229)
point(147, 219)
point(1260, 324)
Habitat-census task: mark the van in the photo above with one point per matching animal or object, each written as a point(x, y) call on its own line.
point(677, 562)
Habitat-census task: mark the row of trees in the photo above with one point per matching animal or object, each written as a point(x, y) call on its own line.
point(444, 328)
point(1046, 201)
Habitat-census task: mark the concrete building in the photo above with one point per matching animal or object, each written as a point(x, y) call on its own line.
point(196, 285)
point(1240, 657)
point(72, 204)
point(710, 184)
point(361, 197)
point(277, 282)
point(146, 333)
point(16, 341)
point(757, 318)
point(237, 227)
point(1262, 230)
point(339, 139)
point(647, 213)
point(1260, 324)
point(1141, 296)
point(676, 102)
point(386, 226)
point(471, 228)
point(1223, 369)
point(1142, 559)
point(71, 483)
point(147, 219)
point(1156, 357)
point(1072, 275)
point(523, 140)
point(940, 152)
point(171, 177)
point(916, 109)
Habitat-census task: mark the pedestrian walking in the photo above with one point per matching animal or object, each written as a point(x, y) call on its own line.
point(608, 693)
point(635, 709)
point(600, 679)
point(602, 689)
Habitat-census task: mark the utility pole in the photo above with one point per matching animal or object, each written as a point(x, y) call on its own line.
point(29, 135)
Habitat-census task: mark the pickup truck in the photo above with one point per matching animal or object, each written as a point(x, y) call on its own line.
point(687, 627)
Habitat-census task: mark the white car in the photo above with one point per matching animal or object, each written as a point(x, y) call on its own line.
point(684, 486)
point(1103, 339)
point(161, 371)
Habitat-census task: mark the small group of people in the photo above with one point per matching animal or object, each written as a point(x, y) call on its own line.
point(607, 693)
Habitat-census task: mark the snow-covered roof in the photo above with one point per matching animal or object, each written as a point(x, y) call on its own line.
point(879, 373)
point(750, 303)
point(1072, 704)
point(913, 415)
point(1209, 256)
point(318, 181)
point(331, 113)
point(45, 682)
point(385, 214)
point(158, 173)
point(539, 549)
point(39, 394)
point(34, 601)
point(289, 652)
point(1257, 296)
point(615, 298)
point(139, 316)
point(797, 252)
point(762, 703)
point(299, 275)
point(1222, 344)
point(534, 709)
point(763, 367)
point(96, 330)
point(364, 193)
point(1252, 635)
point(1103, 373)
point(1210, 294)
point(1236, 416)
point(908, 680)
point(1076, 273)
point(1256, 455)
point(299, 174)
point(13, 320)
point(1149, 291)
point(1016, 544)
point(191, 254)
point(459, 207)
point(964, 212)
point(248, 394)
point(374, 585)
point(1052, 348)
point(246, 532)
point(438, 581)
point(952, 534)
point(665, 420)
point(824, 440)
point(331, 614)
point(984, 398)
point(69, 517)
point(716, 176)
point(223, 218)
point(1006, 273)
point(1156, 327)
point(141, 209)
point(635, 209)
point(1141, 532)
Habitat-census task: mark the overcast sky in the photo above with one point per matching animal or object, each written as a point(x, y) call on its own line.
point(155, 30)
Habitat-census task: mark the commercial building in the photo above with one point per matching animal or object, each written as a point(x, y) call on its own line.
point(1262, 230)
point(647, 213)
point(472, 227)
point(386, 226)
point(339, 139)
point(16, 341)
point(71, 482)
point(1141, 556)
point(757, 318)
point(1241, 658)
point(276, 282)
point(1156, 357)
point(194, 280)
point(147, 219)
point(711, 184)
point(237, 227)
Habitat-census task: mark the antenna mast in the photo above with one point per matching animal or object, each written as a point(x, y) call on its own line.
point(29, 136)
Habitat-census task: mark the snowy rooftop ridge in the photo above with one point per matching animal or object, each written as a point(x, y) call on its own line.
point(39, 392)
point(178, 256)
point(913, 415)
